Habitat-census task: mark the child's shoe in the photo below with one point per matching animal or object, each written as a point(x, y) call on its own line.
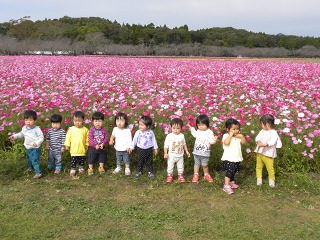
point(208, 177)
point(101, 170)
point(259, 181)
point(138, 174)
point(227, 189)
point(127, 171)
point(234, 185)
point(195, 177)
point(151, 175)
point(117, 170)
point(90, 171)
point(37, 176)
point(57, 171)
point(181, 178)
point(169, 178)
point(81, 170)
point(272, 183)
point(29, 170)
point(72, 173)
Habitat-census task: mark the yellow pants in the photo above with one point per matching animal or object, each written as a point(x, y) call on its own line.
point(264, 160)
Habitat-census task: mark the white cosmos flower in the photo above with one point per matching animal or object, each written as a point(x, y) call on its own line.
point(286, 130)
point(300, 114)
point(277, 121)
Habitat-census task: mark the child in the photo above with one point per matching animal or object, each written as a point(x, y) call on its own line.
point(33, 137)
point(121, 137)
point(56, 137)
point(77, 142)
point(232, 155)
point(201, 152)
point(175, 143)
point(98, 138)
point(267, 141)
point(145, 140)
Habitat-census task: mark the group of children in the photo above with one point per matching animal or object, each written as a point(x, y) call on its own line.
point(79, 140)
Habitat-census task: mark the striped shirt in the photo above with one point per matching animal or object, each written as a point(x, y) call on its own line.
point(56, 139)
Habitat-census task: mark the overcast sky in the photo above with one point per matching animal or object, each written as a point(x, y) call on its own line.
point(290, 17)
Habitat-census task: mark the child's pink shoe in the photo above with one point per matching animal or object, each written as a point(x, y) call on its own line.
point(169, 178)
point(181, 178)
point(227, 189)
point(234, 185)
point(195, 177)
point(208, 177)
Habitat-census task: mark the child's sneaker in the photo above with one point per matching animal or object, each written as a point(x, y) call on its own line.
point(195, 177)
point(151, 175)
point(57, 171)
point(29, 170)
point(227, 189)
point(208, 177)
point(72, 173)
point(81, 170)
point(259, 181)
point(272, 183)
point(181, 178)
point(234, 185)
point(127, 172)
point(101, 170)
point(37, 176)
point(138, 174)
point(169, 178)
point(116, 171)
point(90, 171)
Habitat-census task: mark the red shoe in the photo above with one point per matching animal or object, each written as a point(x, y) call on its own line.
point(169, 178)
point(195, 177)
point(181, 178)
point(208, 177)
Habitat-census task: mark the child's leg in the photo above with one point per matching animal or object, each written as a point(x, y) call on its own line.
point(29, 163)
point(170, 165)
point(141, 159)
point(50, 159)
point(34, 156)
point(81, 163)
point(126, 159)
point(259, 165)
point(119, 156)
point(149, 158)
point(73, 163)
point(58, 160)
point(268, 161)
point(196, 164)
point(180, 165)
point(205, 169)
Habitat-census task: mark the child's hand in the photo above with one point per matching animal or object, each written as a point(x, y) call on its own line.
point(111, 142)
point(189, 126)
point(97, 146)
point(165, 155)
point(67, 148)
point(48, 147)
point(35, 145)
point(188, 154)
point(156, 152)
point(129, 150)
point(62, 150)
point(101, 146)
point(260, 144)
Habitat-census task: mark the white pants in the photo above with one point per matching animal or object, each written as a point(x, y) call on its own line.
point(172, 160)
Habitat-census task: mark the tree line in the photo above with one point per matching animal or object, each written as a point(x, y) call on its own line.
point(94, 35)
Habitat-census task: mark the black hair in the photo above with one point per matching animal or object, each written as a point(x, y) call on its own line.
point(229, 123)
point(122, 115)
point(267, 118)
point(78, 114)
point(56, 118)
point(97, 116)
point(147, 121)
point(30, 114)
point(176, 121)
point(204, 119)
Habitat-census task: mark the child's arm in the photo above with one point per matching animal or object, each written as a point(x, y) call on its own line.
point(40, 138)
point(228, 139)
point(242, 138)
point(67, 142)
point(63, 139)
point(165, 152)
point(155, 145)
point(111, 141)
point(186, 150)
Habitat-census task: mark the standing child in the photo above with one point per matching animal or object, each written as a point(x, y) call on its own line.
point(145, 140)
point(55, 138)
point(98, 139)
point(232, 155)
point(175, 143)
point(267, 141)
point(121, 137)
point(33, 137)
point(201, 151)
point(77, 143)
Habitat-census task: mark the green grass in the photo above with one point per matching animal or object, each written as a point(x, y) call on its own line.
point(117, 207)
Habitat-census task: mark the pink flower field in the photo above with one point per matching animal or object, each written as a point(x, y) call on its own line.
point(165, 88)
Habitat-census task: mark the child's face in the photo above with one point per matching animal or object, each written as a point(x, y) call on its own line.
point(202, 127)
point(97, 123)
point(142, 126)
point(176, 129)
point(234, 129)
point(78, 122)
point(29, 122)
point(120, 122)
point(56, 125)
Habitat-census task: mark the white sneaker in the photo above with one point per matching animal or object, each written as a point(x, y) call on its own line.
point(127, 172)
point(259, 181)
point(272, 183)
point(116, 171)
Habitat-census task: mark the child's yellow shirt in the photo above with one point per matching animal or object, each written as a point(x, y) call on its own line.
point(77, 140)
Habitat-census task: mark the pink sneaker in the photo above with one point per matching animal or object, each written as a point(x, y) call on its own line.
point(227, 189)
point(195, 177)
point(234, 185)
point(181, 178)
point(208, 177)
point(169, 178)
